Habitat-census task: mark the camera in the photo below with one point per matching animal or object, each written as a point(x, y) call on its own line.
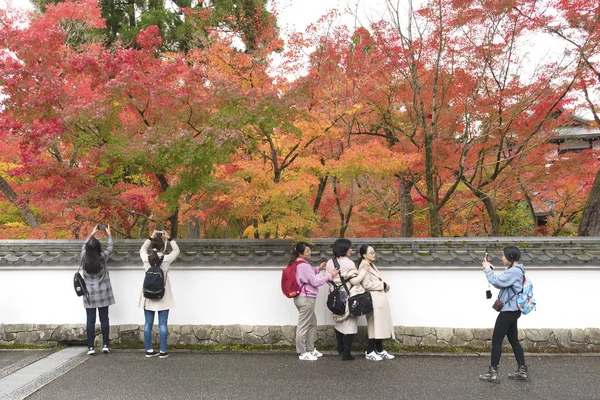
point(488, 294)
point(102, 227)
point(161, 233)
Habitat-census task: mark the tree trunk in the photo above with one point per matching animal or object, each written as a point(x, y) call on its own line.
point(12, 197)
point(407, 226)
point(590, 220)
point(435, 221)
point(174, 219)
point(192, 228)
point(320, 191)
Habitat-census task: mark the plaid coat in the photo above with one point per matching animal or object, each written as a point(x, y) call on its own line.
point(98, 285)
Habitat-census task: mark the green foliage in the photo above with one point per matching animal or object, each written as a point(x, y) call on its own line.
point(516, 219)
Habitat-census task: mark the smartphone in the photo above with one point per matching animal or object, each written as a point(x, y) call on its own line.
point(487, 258)
point(102, 227)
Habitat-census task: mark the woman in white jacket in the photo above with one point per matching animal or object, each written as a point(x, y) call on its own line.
point(152, 253)
point(347, 328)
point(379, 322)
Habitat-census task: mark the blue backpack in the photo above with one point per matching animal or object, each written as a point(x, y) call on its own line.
point(525, 300)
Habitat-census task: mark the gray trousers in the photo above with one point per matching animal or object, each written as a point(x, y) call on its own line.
point(306, 331)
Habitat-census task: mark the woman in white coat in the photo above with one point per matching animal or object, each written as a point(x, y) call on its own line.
point(346, 329)
point(152, 253)
point(379, 322)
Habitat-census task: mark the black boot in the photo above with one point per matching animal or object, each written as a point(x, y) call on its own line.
point(340, 342)
point(491, 375)
point(520, 374)
point(346, 355)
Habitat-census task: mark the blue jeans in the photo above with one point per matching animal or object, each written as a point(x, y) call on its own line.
point(91, 325)
point(163, 316)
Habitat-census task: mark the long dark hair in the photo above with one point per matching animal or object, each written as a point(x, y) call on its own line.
point(157, 245)
point(92, 261)
point(362, 251)
point(512, 254)
point(341, 247)
point(298, 249)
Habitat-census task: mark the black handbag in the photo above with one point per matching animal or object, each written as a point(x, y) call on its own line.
point(360, 304)
point(79, 285)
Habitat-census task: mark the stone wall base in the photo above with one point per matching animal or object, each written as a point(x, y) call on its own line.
point(414, 337)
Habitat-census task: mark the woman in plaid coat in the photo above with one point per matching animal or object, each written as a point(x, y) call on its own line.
point(99, 288)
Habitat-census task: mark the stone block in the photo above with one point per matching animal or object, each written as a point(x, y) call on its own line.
point(69, 333)
point(128, 328)
point(14, 328)
point(132, 337)
point(261, 331)
point(411, 340)
point(482, 333)
point(419, 331)
point(429, 340)
point(247, 328)
point(1, 329)
point(464, 334)
point(442, 343)
point(538, 335)
point(577, 335)
point(563, 337)
point(173, 339)
point(113, 333)
point(444, 334)
point(592, 335)
point(9, 336)
point(479, 343)
point(456, 341)
point(399, 331)
point(45, 335)
point(186, 330)
point(202, 332)
point(215, 333)
point(289, 333)
point(27, 337)
point(233, 332)
point(250, 338)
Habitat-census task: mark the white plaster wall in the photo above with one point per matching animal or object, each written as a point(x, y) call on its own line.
point(434, 297)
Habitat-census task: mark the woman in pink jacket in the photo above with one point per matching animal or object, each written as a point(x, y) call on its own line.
point(309, 281)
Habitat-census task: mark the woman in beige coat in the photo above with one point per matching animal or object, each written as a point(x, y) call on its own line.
point(152, 253)
point(346, 328)
point(379, 322)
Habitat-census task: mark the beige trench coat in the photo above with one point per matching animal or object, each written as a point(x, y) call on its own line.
point(354, 277)
point(168, 301)
point(379, 322)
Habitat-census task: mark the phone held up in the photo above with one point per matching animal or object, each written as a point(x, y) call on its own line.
point(102, 227)
point(487, 258)
point(488, 293)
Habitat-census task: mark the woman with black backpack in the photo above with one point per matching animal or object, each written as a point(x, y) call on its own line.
point(153, 256)
point(99, 289)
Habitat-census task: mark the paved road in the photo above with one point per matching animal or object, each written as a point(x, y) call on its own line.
point(124, 375)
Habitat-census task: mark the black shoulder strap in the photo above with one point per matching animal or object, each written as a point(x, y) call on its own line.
point(337, 266)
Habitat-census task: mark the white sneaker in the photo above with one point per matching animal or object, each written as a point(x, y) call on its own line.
point(91, 351)
point(316, 353)
point(373, 356)
point(105, 350)
point(307, 357)
point(385, 355)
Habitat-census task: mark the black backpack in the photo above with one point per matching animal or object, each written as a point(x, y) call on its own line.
point(337, 300)
point(154, 282)
point(80, 286)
